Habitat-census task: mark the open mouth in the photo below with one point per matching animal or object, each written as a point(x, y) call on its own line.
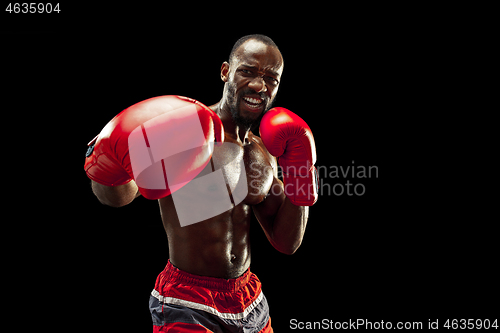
point(253, 103)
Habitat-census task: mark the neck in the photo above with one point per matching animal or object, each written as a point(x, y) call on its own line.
point(237, 132)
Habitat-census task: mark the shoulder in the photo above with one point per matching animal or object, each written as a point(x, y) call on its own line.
point(255, 139)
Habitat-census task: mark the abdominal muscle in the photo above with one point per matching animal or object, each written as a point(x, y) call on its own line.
point(217, 247)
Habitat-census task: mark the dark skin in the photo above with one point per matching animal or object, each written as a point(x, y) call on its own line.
point(220, 246)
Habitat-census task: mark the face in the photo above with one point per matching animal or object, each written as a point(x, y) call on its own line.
point(252, 80)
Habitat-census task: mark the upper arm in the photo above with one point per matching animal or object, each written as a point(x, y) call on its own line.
point(116, 196)
point(266, 211)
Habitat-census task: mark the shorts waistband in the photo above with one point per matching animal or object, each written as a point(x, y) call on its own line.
point(173, 274)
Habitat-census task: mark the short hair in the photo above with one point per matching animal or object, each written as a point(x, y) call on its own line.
point(261, 38)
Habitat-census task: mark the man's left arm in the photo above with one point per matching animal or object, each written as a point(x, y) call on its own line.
point(283, 214)
point(283, 222)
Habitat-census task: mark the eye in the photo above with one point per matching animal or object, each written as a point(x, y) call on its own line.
point(272, 80)
point(246, 71)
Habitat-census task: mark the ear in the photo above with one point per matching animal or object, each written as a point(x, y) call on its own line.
point(224, 71)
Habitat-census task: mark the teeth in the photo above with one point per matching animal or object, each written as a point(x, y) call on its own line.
point(252, 100)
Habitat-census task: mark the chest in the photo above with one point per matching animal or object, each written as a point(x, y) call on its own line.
point(247, 171)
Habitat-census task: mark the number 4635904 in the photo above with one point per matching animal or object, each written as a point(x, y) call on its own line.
point(32, 7)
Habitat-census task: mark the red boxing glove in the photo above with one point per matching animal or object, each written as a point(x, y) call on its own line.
point(288, 137)
point(162, 143)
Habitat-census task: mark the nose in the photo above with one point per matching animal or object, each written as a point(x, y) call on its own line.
point(258, 84)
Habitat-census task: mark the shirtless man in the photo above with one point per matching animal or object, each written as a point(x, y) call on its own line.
point(207, 285)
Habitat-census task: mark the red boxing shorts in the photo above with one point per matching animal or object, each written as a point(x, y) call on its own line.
point(184, 302)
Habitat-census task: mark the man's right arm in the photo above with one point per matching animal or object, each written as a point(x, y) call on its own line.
point(116, 196)
point(141, 138)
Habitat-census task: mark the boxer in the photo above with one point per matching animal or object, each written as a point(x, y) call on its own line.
point(207, 285)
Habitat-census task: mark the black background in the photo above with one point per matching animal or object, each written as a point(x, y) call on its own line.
point(365, 81)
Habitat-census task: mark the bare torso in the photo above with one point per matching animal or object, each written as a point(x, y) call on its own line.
point(220, 246)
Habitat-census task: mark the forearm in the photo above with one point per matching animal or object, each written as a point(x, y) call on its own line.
point(289, 227)
point(283, 222)
point(116, 196)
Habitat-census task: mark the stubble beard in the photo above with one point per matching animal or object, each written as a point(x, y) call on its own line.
point(234, 102)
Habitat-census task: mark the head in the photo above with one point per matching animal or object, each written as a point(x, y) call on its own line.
point(252, 77)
